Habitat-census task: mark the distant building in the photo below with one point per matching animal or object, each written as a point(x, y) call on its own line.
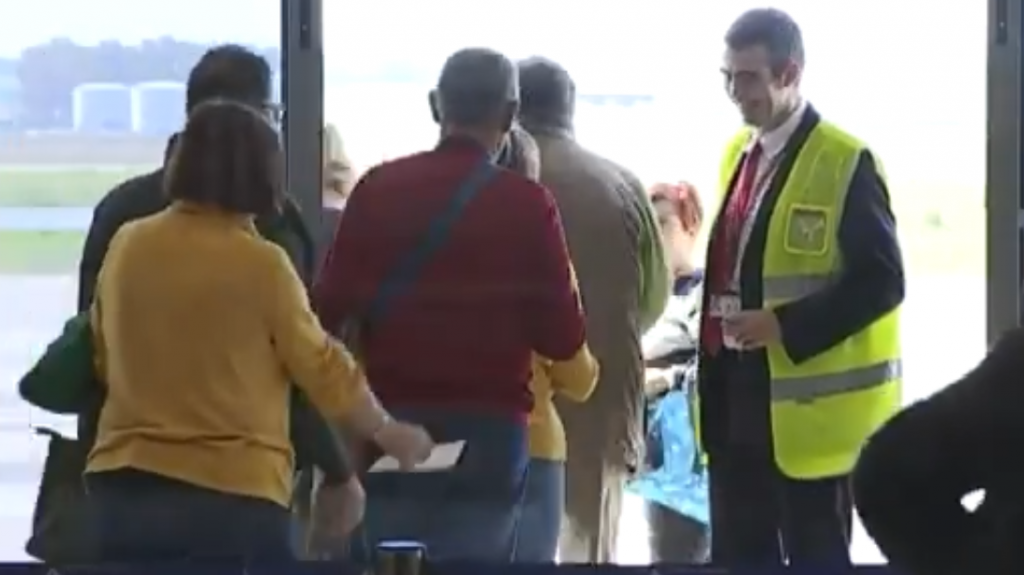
point(158, 108)
point(102, 108)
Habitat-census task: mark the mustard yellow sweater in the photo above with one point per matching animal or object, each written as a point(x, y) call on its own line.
point(200, 325)
point(573, 379)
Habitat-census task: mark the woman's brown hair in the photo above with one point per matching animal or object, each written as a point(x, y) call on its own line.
point(228, 157)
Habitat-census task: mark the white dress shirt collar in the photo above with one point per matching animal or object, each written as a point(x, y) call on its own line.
point(773, 141)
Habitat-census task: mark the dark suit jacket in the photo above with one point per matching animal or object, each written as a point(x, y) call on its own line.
point(914, 472)
point(312, 437)
point(735, 404)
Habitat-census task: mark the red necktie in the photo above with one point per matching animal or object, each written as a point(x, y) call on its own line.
point(727, 240)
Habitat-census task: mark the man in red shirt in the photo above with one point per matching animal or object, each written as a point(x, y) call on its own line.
point(451, 347)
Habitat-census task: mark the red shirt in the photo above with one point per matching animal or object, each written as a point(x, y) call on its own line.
point(498, 289)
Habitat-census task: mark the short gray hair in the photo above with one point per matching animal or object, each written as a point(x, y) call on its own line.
point(476, 86)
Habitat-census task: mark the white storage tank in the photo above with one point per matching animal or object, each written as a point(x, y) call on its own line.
point(10, 100)
point(158, 108)
point(102, 108)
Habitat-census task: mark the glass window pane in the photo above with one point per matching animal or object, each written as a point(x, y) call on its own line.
point(651, 97)
point(89, 92)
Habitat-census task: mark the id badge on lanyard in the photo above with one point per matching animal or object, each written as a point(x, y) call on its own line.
point(721, 308)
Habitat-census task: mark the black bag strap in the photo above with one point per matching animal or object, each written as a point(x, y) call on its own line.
point(404, 273)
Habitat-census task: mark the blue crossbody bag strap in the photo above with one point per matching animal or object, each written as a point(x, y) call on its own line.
point(404, 273)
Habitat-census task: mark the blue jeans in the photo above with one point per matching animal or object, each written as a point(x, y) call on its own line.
point(468, 513)
point(541, 519)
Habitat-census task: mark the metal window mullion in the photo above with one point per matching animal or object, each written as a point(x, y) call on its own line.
point(302, 77)
point(1004, 197)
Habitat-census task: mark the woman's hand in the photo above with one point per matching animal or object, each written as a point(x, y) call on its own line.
point(338, 182)
point(409, 444)
point(658, 383)
point(337, 510)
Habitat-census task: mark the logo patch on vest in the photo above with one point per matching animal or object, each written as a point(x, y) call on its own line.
point(807, 230)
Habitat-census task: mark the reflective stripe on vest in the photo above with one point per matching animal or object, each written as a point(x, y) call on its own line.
point(787, 288)
point(804, 389)
point(807, 388)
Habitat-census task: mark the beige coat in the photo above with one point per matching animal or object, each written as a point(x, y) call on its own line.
point(614, 244)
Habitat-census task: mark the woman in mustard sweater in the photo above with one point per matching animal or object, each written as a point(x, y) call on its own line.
point(200, 325)
point(541, 518)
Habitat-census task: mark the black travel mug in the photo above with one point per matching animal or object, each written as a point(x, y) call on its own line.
point(400, 558)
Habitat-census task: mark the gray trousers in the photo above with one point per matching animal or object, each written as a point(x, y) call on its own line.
point(593, 497)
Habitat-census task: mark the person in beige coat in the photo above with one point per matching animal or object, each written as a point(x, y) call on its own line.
point(614, 243)
point(339, 175)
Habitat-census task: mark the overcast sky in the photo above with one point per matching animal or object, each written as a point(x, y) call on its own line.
point(634, 41)
point(902, 71)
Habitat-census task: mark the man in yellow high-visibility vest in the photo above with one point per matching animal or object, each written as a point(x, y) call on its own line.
point(799, 336)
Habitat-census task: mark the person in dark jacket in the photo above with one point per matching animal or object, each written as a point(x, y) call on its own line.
point(234, 73)
point(800, 355)
point(912, 477)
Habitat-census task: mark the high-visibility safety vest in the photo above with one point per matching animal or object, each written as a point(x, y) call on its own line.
point(825, 408)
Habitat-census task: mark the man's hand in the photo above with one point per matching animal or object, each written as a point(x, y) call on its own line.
point(753, 329)
point(409, 444)
point(657, 383)
point(337, 510)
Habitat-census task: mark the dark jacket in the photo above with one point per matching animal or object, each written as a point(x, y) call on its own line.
point(736, 408)
point(914, 473)
point(314, 442)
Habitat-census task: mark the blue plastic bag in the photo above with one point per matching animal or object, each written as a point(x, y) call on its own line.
point(675, 476)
